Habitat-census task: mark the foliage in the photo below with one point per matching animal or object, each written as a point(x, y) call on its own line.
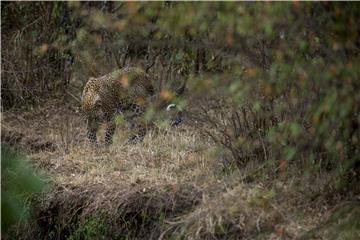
point(18, 182)
point(34, 65)
point(342, 224)
point(274, 85)
point(90, 229)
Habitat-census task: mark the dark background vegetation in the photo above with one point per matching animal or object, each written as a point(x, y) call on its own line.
point(276, 84)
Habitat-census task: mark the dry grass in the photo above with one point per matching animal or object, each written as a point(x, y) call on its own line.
point(171, 186)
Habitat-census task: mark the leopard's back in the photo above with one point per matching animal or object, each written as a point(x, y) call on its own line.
point(123, 87)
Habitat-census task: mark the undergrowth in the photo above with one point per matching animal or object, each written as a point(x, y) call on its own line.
point(174, 185)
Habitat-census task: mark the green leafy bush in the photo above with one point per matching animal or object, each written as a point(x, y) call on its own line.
point(18, 183)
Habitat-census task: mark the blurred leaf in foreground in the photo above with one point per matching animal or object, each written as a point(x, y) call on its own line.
point(18, 182)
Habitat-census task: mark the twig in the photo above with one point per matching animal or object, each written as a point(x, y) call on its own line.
point(77, 99)
point(263, 145)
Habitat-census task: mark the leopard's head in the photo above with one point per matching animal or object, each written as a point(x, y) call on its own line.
point(91, 106)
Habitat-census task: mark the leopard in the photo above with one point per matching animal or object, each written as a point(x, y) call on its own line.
point(126, 91)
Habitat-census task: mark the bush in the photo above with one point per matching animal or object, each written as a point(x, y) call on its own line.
point(18, 183)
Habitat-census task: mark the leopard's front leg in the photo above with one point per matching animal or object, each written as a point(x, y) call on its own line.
point(139, 125)
point(110, 129)
point(139, 130)
point(92, 127)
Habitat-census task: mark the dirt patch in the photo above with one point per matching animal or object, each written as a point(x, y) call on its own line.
point(134, 211)
point(28, 143)
point(47, 128)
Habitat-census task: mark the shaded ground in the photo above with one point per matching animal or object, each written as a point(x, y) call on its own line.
point(170, 186)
